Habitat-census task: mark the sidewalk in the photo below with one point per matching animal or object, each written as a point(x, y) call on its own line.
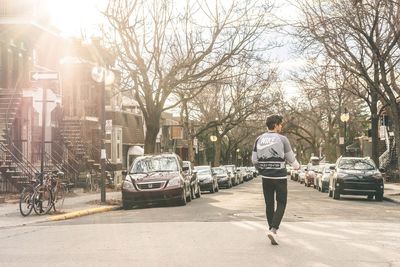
point(392, 192)
point(75, 205)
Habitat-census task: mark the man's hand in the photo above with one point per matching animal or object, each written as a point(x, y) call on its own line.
point(295, 165)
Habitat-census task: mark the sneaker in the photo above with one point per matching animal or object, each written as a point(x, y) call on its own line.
point(273, 237)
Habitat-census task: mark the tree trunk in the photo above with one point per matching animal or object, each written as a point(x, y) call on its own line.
point(152, 129)
point(190, 149)
point(375, 138)
point(217, 155)
point(395, 108)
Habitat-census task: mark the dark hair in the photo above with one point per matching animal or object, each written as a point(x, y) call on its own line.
point(273, 120)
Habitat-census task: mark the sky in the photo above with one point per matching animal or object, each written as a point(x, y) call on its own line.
point(80, 18)
point(72, 17)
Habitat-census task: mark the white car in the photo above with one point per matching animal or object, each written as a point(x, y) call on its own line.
point(323, 180)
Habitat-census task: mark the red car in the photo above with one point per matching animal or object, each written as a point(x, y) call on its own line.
point(154, 178)
point(311, 174)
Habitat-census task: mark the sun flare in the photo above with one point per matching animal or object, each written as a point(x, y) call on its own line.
point(74, 17)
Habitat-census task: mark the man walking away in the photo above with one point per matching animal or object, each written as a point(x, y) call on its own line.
point(271, 152)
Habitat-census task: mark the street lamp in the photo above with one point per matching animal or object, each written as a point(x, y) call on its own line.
point(345, 118)
point(213, 139)
point(237, 156)
point(105, 77)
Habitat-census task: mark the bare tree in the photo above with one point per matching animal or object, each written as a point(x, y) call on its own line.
point(362, 37)
point(314, 120)
point(164, 45)
point(225, 106)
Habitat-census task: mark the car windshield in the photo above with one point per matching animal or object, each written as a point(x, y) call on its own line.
point(356, 164)
point(313, 168)
point(203, 170)
point(155, 164)
point(229, 168)
point(218, 170)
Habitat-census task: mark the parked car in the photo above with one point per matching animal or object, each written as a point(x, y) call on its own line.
point(250, 173)
point(310, 175)
point(323, 180)
point(294, 174)
point(244, 173)
point(302, 174)
point(154, 178)
point(207, 180)
point(318, 175)
point(356, 176)
point(224, 180)
point(234, 175)
point(289, 169)
point(188, 168)
point(254, 170)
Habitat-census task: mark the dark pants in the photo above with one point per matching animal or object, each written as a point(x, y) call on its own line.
point(270, 187)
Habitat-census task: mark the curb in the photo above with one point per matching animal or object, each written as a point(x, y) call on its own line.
point(391, 200)
point(80, 213)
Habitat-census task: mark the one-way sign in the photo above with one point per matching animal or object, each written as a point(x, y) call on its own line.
point(43, 75)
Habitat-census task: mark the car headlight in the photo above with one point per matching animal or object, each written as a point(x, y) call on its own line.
point(127, 184)
point(174, 182)
point(377, 176)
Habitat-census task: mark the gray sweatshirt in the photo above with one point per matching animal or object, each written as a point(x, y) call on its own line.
point(271, 152)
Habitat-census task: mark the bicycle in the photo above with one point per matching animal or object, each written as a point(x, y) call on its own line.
point(26, 198)
point(58, 190)
point(91, 183)
point(42, 197)
point(35, 197)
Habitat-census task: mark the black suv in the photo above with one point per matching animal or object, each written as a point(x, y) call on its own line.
point(356, 176)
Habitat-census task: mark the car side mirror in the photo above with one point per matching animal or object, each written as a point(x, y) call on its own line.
point(124, 172)
point(186, 168)
point(332, 167)
point(381, 169)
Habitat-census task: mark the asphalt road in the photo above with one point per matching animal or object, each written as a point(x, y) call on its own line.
point(223, 229)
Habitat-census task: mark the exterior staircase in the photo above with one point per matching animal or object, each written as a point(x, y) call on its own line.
point(86, 155)
point(16, 171)
point(71, 134)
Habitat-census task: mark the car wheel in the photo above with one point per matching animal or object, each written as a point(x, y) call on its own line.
point(126, 205)
point(212, 189)
point(379, 196)
point(336, 194)
point(198, 194)
point(193, 192)
point(189, 197)
point(182, 201)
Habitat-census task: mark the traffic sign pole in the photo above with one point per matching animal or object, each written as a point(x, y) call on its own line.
point(41, 76)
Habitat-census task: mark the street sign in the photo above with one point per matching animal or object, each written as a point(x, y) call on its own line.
point(43, 75)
